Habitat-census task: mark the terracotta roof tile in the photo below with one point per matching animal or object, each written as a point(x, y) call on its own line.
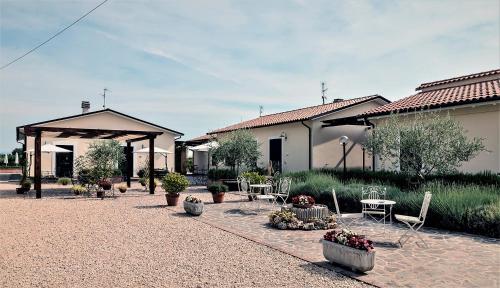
point(459, 78)
point(296, 115)
point(462, 94)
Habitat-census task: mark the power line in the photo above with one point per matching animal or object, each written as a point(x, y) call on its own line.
point(53, 36)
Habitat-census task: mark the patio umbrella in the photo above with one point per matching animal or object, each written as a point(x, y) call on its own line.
point(157, 150)
point(205, 147)
point(6, 160)
point(17, 159)
point(49, 148)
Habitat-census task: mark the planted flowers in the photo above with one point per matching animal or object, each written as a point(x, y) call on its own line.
point(350, 239)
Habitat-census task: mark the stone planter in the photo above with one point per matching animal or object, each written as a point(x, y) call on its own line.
point(307, 214)
point(172, 199)
point(355, 259)
point(218, 197)
point(193, 208)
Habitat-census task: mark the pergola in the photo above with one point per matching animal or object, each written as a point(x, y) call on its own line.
point(129, 136)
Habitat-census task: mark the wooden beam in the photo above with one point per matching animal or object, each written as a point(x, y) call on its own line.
point(129, 158)
point(152, 165)
point(29, 130)
point(38, 164)
point(138, 139)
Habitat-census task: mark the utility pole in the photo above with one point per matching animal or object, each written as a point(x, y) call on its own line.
point(323, 90)
point(261, 110)
point(104, 97)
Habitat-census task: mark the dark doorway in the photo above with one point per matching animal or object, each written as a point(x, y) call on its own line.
point(125, 163)
point(275, 154)
point(64, 162)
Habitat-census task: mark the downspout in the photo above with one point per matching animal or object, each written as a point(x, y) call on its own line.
point(310, 143)
point(372, 125)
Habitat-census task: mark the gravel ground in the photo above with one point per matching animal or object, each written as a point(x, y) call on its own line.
point(134, 241)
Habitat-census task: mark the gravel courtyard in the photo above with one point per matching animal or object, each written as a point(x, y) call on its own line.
point(133, 241)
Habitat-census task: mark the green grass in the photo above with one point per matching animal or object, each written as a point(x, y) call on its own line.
point(468, 208)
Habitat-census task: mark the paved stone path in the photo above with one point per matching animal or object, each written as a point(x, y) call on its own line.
point(450, 260)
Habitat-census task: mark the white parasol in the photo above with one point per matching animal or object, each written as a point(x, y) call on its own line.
point(6, 159)
point(17, 159)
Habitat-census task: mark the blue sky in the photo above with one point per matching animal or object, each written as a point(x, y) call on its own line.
point(194, 66)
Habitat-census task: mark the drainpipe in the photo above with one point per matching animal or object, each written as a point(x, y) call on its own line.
point(373, 129)
point(310, 144)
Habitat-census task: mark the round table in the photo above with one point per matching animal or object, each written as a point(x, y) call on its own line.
point(390, 203)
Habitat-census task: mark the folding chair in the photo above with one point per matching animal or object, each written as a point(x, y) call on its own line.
point(346, 219)
point(282, 190)
point(374, 193)
point(414, 223)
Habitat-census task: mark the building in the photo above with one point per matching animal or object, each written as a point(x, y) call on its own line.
point(299, 140)
point(473, 100)
point(75, 133)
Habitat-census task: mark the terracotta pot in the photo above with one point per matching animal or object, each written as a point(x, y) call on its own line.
point(122, 190)
point(20, 190)
point(219, 197)
point(100, 194)
point(172, 199)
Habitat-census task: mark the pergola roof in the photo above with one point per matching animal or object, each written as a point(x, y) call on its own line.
point(86, 133)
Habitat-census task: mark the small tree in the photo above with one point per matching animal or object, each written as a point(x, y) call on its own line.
point(237, 148)
point(428, 143)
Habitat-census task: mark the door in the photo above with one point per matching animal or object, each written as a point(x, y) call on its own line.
point(275, 154)
point(127, 163)
point(64, 162)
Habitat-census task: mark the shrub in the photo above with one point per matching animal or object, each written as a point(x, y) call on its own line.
point(174, 183)
point(26, 184)
point(63, 181)
point(217, 188)
point(141, 173)
point(254, 177)
point(217, 174)
point(78, 189)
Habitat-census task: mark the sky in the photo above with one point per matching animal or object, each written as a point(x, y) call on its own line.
point(194, 66)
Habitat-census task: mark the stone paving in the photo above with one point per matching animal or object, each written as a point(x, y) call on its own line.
point(450, 260)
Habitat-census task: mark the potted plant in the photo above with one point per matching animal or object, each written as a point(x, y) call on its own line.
point(63, 181)
point(105, 184)
point(218, 191)
point(173, 184)
point(193, 205)
point(122, 188)
point(349, 249)
point(303, 201)
point(78, 189)
point(25, 186)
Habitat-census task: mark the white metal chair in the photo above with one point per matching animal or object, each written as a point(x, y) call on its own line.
point(415, 223)
point(346, 219)
point(283, 190)
point(374, 193)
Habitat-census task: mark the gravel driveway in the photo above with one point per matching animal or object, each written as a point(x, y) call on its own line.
point(134, 241)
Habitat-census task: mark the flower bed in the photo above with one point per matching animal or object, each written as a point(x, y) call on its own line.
point(287, 220)
point(303, 201)
point(349, 249)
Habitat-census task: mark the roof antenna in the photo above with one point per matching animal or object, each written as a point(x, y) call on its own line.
point(104, 97)
point(323, 90)
point(261, 110)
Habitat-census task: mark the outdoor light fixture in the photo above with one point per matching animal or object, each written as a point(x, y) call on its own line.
point(343, 141)
point(283, 135)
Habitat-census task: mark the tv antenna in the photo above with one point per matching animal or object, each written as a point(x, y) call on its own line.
point(323, 90)
point(104, 97)
point(261, 110)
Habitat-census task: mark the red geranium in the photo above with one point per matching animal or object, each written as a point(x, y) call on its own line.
point(303, 200)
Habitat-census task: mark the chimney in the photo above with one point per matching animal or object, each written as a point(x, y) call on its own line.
point(85, 107)
point(337, 100)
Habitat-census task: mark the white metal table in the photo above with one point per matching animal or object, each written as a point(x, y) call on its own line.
point(258, 195)
point(384, 203)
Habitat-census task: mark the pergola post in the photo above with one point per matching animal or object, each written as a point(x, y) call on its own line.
point(38, 163)
point(128, 156)
point(152, 165)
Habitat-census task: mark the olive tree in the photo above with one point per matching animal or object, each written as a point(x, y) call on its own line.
point(423, 144)
point(100, 162)
point(237, 148)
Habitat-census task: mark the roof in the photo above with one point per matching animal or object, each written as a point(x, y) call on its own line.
point(459, 78)
point(301, 114)
point(459, 94)
point(201, 138)
point(96, 112)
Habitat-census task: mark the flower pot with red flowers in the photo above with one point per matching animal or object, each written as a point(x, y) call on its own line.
point(105, 184)
point(218, 191)
point(303, 201)
point(349, 249)
point(193, 206)
point(173, 184)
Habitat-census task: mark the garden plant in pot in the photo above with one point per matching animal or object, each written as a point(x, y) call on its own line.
point(349, 249)
point(25, 186)
point(173, 184)
point(218, 191)
point(303, 201)
point(63, 181)
point(78, 189)
point(193, 205)
point(122, 188)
